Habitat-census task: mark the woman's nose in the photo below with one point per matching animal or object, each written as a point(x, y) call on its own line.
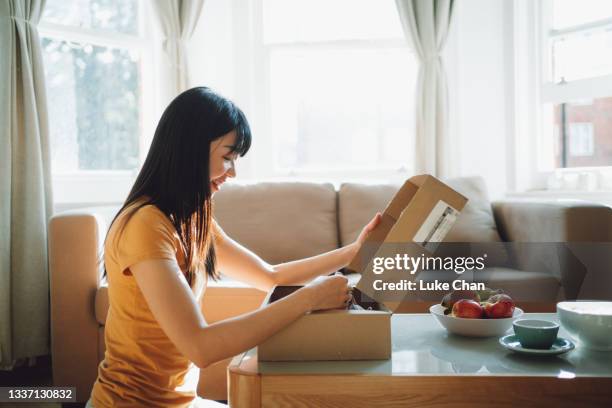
point(232, 170)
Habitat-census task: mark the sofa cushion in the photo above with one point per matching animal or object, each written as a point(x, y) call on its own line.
point(522, 286)
point(279, 221)
point(357, 204)
point(101, 304)
point(476, 222)
point(101, 344)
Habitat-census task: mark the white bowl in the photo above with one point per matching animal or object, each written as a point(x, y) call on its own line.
point(588, 322)
point(474, 327)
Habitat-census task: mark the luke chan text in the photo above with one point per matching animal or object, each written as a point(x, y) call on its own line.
point(436, 285)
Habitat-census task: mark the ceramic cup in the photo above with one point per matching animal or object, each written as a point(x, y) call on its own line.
point(535, 334)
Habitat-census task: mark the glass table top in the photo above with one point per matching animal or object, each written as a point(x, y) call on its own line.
point(422, 347)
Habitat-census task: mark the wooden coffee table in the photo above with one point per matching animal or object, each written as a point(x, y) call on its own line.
point(429, 368)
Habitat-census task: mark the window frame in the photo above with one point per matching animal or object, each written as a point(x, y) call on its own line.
point(91, 187)
point(534, 167)
point(261, 103)
point(562, 92)
point(568, 91)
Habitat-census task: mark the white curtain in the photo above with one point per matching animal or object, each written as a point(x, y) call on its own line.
point(426, 25)
point(25, 185)
point(177, 20)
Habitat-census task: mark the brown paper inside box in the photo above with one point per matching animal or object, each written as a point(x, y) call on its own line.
point(421, 211)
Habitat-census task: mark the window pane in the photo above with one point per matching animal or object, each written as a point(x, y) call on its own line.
point(582, 55)
point(587, 138)
point(94, 97)
point(324, 20)
point(570, 13)
point(112, 15)
point(343, 108)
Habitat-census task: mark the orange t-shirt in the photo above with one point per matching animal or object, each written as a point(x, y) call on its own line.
point(141, 366)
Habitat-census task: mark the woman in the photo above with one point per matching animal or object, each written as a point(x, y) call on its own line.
point(162, 247)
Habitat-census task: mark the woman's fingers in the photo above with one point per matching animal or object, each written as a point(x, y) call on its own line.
point(375, 221)
point(349, 296)
point(369, 227)
point(331, 292)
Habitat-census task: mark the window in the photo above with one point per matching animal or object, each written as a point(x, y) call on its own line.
point(94, 52)
point(577, 82)
point(585, 133)
point(340, 96)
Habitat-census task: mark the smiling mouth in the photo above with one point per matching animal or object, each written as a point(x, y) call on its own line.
point(216, 183)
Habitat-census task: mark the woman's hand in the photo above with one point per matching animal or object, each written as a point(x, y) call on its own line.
point(365, 232)
point(329, 292)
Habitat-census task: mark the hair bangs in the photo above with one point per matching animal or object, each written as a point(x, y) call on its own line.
point(243, 134)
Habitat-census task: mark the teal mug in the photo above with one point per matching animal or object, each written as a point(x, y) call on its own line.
point(536, 334)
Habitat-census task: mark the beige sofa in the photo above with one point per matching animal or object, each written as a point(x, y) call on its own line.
point(281, 222)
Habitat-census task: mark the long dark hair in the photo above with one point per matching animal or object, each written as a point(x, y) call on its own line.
point(175, 176)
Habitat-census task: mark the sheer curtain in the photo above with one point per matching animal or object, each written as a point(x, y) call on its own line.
point(177, 20)
point(25, 185)
point(426, 24)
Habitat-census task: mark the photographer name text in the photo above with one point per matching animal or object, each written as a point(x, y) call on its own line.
point(435, 285)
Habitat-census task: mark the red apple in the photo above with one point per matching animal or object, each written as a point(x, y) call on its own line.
point(499, 306)
point(467, 309)
point(449, 300)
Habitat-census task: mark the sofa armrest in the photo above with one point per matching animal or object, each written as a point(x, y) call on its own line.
point(222, 302)
point(553, 221)
point(568, 238)
point(74, 244)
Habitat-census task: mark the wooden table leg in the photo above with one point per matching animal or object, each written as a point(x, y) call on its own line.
point(244, 385)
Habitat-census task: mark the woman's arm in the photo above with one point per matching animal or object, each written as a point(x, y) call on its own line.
point(175, 308)
point(304, 270)
point(239, 263)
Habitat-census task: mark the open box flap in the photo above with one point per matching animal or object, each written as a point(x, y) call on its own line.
point(421, 212)
point(389, 217)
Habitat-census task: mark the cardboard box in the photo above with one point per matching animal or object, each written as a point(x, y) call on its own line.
point(330, 334)
point(422, 211)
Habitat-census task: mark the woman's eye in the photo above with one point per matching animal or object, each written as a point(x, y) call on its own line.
point(227, 159)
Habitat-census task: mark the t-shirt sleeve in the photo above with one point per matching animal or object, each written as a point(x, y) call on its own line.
point(147, 235)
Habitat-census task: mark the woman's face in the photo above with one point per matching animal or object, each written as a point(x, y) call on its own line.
point(222, 160)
